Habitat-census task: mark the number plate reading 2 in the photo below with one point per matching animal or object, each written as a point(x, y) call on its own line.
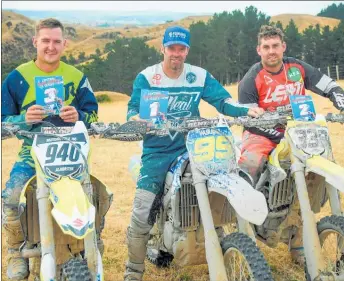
point(211, 149)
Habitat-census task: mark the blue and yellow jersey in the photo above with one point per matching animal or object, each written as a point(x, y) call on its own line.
point(184, 96)
point(18, 94)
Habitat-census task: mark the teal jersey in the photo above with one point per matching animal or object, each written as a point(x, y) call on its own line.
point(18, 94)
point(184, 96)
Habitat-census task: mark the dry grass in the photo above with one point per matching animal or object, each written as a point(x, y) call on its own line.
point(156, 32)
point(303, 21)
point(109, 163)
point(86, 41)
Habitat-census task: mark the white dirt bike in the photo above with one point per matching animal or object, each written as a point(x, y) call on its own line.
point(301, 175)
point(203, 194)
point(62, 208)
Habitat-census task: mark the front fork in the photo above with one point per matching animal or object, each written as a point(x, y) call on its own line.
point(311, 242)
point(94, 259)
point(214, 256)
point(48, 259)
point(334, 197)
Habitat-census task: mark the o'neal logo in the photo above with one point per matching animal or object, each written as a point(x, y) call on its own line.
point(294, 74)
point(191, 77)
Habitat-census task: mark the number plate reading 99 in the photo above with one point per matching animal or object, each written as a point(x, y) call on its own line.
point(65, 152)
point(211, 148)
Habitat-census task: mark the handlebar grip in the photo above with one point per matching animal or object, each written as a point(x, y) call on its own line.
point(5, 134)
point(334, 117)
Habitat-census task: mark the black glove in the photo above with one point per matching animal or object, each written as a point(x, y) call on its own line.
point(337, 97)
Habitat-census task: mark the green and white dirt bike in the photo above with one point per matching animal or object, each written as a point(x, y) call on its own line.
point(301, 170)
point(203, 195)
point(62, 208)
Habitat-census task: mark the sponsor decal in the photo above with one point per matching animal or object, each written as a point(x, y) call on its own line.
point(294, 74)
point(191, 77)
point(339, 99)
point(268, 80)
point(78, 223)
point(177, 34)
point(156, 79)
point(281, 92)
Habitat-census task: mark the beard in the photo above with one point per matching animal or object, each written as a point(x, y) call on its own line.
point(272, 63)
point(176, 63)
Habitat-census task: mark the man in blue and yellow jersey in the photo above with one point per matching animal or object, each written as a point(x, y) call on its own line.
point(18, 105)
point(186, 85)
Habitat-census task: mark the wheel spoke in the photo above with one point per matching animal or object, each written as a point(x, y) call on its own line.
point(332, 251)
point(237, 267)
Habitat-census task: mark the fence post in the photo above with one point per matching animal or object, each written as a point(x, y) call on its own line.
point(328, 71)
point(337, 71)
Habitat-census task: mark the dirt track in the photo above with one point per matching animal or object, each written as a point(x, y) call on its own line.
point(109, 163)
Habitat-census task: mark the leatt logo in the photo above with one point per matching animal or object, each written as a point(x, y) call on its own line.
point(281, 92)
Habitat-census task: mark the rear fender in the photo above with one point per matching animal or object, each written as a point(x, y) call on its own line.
point(249, 203)
point(72, 210)
point(333, 173)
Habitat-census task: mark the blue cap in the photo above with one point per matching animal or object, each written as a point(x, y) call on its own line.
point(176, 35)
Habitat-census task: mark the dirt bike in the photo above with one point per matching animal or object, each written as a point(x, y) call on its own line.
point(62, 208)
point(203, 193)
point(301, 171)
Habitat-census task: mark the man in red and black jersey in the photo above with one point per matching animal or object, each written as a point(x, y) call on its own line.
point(269, 83)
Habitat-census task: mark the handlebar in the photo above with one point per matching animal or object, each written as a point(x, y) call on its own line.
point(136, 130)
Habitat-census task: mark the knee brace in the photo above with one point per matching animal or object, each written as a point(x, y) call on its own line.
point(145, 208)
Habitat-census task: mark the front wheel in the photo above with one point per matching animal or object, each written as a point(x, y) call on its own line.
point(75, 269)
point(331, 236)
point(243, 259)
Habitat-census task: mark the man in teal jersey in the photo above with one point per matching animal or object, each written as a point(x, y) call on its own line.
point(18, 105)
point(186, 86)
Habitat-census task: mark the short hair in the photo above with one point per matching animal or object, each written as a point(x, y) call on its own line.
point(49, 23)
point(269, 31)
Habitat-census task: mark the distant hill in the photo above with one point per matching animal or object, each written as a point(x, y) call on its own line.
point(108, 18)
point(304, 21)
point(17, 31)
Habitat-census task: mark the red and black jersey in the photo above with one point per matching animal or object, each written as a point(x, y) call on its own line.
point(271, 90)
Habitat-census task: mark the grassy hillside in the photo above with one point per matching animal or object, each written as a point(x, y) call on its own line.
point(303, 21)
point(17, 31)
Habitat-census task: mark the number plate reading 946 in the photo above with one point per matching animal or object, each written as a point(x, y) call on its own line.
point(312, 140)
point(62, 156)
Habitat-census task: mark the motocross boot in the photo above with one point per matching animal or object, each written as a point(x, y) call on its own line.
point(17, 266)
point(137, 248)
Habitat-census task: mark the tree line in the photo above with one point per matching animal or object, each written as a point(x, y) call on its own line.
point(225, 46)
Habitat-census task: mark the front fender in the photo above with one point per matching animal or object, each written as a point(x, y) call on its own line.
point(71, 208)
point(333, 173)
point(249, 203)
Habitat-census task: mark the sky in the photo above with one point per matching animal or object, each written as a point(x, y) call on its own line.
point(270, 8)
